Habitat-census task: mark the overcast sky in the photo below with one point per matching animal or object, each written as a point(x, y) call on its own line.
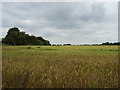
point(75, 23)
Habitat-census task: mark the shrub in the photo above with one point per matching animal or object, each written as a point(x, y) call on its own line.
point(29, 48)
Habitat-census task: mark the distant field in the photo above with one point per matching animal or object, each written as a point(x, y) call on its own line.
point(60, 66)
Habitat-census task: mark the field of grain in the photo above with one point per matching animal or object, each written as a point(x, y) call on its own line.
point(60, 66)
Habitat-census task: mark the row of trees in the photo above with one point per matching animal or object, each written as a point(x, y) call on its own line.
point(15, 37)
point(108, 43)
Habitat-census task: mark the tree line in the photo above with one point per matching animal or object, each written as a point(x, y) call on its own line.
point(108, 43)
point(15, 37)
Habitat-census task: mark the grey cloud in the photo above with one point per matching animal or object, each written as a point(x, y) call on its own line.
point(96, 14)
point(63, 22)
point(59, 15)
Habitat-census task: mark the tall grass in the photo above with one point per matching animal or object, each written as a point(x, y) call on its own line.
point(60, 67)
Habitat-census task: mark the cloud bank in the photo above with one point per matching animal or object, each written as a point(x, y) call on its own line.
point(64, 22)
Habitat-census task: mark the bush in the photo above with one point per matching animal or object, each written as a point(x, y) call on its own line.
point(38, 47)
point(29, 48)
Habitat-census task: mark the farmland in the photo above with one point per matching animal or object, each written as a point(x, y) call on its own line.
point(60, 66)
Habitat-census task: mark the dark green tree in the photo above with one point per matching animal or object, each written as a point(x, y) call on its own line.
point(15, 37)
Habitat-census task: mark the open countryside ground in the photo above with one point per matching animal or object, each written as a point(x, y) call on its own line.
point(60, 66)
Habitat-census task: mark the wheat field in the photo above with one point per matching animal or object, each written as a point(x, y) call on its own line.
point(60, 66)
